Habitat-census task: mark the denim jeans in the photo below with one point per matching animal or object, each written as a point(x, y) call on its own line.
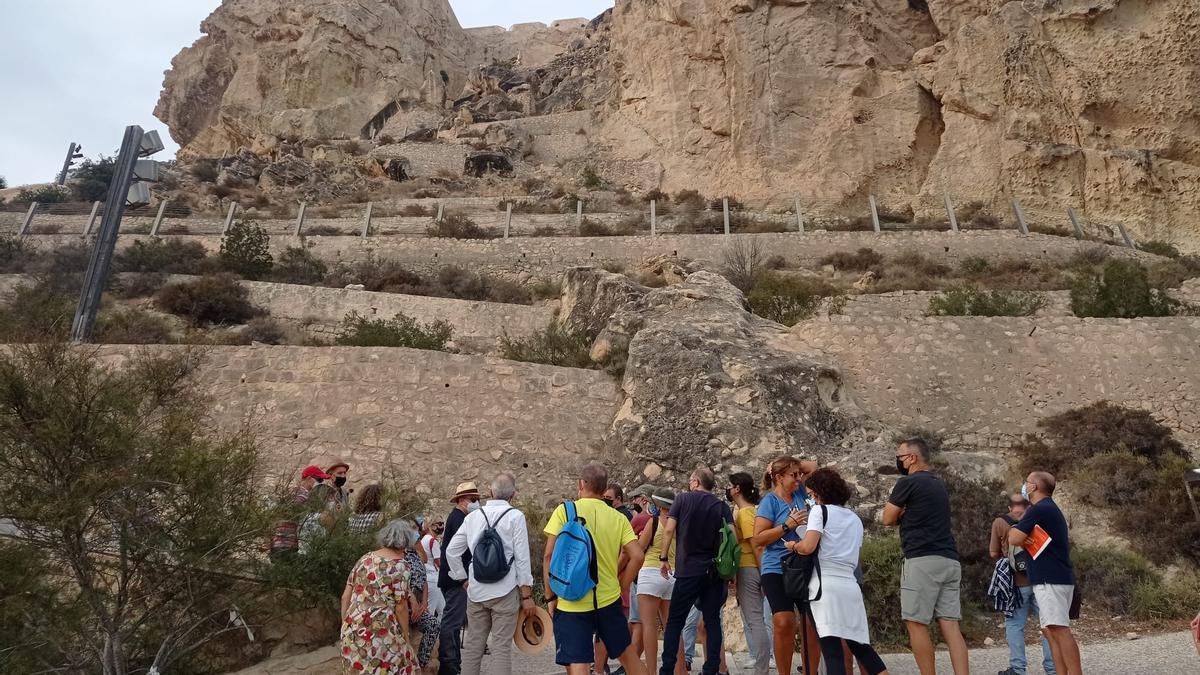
point(1014, 633)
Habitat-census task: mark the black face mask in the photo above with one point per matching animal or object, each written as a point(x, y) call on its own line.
point(900, 466)
point(339, 481)
point(728, 494)
point(608, 501)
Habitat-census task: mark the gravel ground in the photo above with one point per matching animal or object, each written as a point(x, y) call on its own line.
point(1169, 653)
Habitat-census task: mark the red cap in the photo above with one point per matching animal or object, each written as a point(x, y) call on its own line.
point(313, 471)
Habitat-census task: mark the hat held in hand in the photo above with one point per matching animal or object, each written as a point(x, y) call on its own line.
point(534, 633)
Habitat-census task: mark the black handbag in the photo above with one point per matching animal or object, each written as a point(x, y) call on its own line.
point(798, 571)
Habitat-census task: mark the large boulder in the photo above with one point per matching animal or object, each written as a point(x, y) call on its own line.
point(702, 380)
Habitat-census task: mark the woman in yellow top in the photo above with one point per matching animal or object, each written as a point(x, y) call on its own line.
point(744, 494)
point(653, 586)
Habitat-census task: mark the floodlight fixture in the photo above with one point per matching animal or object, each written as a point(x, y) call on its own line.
point(151, 143)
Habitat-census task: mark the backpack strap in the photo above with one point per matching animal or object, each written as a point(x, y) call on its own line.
point(816, 555)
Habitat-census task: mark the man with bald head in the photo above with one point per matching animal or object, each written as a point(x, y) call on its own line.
point(1051, 574)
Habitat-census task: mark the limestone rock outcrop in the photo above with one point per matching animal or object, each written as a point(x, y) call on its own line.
point(703, 384)
point(270, 69)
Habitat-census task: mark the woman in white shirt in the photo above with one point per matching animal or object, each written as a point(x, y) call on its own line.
point(840, 613)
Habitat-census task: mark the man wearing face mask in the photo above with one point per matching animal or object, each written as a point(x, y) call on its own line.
point(932, 575)
point(454, 615)
point(340, 495)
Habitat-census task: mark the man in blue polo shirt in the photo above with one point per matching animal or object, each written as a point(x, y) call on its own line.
point(1050, 572)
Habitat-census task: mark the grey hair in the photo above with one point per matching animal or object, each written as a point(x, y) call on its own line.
point(504, 486)
point(398, 535)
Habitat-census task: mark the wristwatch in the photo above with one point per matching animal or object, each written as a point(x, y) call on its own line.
point(785, 528)
point(663, 558)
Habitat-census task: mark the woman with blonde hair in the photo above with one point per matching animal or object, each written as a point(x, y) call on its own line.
point(376, 607)
point(780, 519)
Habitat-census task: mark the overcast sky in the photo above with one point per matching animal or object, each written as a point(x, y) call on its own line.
point(60, 61)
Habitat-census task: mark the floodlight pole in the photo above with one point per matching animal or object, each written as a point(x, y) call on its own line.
point(62, 177)
point(106, 240)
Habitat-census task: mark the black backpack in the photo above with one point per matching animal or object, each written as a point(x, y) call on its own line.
point(1021, 557)
point(488, 559)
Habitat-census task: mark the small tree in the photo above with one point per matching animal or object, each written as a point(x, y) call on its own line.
point(137, 510)
point(246, 250)
point(3, 183)
point(90, 180)
point(1121, 291)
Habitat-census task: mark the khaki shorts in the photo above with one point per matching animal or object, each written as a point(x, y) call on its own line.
point(929, 588)
point(1054, 603)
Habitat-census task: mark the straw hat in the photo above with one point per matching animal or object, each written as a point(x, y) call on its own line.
point(534, 633)
point(466, 489)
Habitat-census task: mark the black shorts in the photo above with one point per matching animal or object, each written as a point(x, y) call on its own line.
point(772, 588)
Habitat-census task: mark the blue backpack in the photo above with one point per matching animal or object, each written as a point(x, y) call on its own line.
point(573, 571)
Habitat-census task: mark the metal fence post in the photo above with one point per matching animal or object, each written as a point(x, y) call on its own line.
point(653, 217)
point(366, 228)
point(229, 218)
point(162, 210)
point(24, 229)
point(799, 217)
point(507, 218)
point(1016, 204)
point(87, 227)
point(441, 208)
point(725, 208)
point(300, 219)
point(578, 213)
point(875, 214)
point(1125, 235)
point(1075, 223)
point(950, 212)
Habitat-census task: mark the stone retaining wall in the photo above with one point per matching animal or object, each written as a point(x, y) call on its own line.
point(439, 418)
point(915, 304)
point(989, 380)
point(547, 257)
point(478, 326)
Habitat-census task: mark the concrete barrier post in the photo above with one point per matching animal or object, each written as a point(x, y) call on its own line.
point(24, 229)
point(507, 218)
point(725, 208)
point(87, 227)
point(578, 213)
point(1075, 223)
point(162, 211)
point(229, 218)
point(950, 212)
point(1020, 213)
point(653, 218)
point(799, 217)
point(441, 210)
point(875, 214)
point(366, 228)
point(1125, 236)
point(300, 219)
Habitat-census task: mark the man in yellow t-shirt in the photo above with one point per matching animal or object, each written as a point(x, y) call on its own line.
point(618, 559)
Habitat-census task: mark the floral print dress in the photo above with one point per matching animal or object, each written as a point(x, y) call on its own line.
point(371, 638)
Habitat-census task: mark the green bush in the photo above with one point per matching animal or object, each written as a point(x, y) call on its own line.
point(974, 266)
point(882, 561)
point(399, 331)
point(1172, 532)
point(297, 265)
point(46, 194)
point(3, 183)
point(38, 313)
point(211, 299)
point(246, 250)
point(970, 301)
point(131, 327)
point(590, 179)
point(595, 228)
point(787, 299)
point(15, 255)
point(1121, 291)
point(555, 346)
point(264, 329)
point(380, 275)
point(459, 282)
point(137, 285)
point(161, 256)
point(89, 181)
point(456, 226)
point(862, 260)
point(1109, 575)
point(1160, 248)
point(1070, 438)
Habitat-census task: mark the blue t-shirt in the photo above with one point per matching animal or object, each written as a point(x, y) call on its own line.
point(1053, 566)
point(777, 511)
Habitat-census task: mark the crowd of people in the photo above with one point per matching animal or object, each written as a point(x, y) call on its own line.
point(620, 570)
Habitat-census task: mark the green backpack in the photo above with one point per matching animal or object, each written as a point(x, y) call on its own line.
point(729, 553)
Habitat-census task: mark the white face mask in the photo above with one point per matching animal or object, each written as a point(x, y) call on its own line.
point(473, 506)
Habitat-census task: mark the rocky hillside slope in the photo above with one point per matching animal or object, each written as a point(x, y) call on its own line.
point(1084, 103)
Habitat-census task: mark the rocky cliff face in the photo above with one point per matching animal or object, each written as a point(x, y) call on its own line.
point(1091, 104)
point(318, 69)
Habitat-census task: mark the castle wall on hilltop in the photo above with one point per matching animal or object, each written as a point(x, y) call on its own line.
point(438, 418)
point(987, 381)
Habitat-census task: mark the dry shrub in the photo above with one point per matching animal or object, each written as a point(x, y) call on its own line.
point(787, 299)
point(860, 261)
point(743, 262)
point(213, 299)
point(132, 327)
point(554, 346)
point(458, 226)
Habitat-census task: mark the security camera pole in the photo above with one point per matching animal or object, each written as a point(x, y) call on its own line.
point(137, 143)
point(73, 153)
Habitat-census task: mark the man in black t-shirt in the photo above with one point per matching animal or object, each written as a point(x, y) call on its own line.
point(454, 615)
point(694, 529)
point(929, 584)
point(1044, 529)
